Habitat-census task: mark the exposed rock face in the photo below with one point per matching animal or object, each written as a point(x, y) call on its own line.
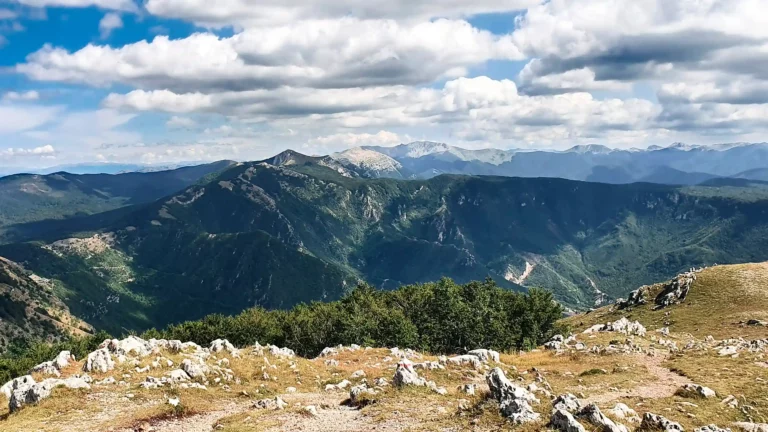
point(514, 401)
point(563, 421)
point(696, 390)
point(676, 290)
point(711, 428)
point(99, 361)
point(35, 393)
point(752, 427)
point(567, 402)
point(637, 297)
point(465, 359)
point(23, 382)
point(223, 345)
point(592, 413)
point(406, 375)
point(657, 422)
point(54, 366)
point(622, 325)
point(485, 355)
point(356, 392)
point(623, 412)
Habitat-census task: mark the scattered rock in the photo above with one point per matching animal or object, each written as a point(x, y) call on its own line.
point(566, 402)
point(563, 421)
point(711, 428)
point(485, 355)
point(656, 422)
point(592, 413)
point(406, 375)
point(695, 390)
point(752, 427)
point(514, 401)
point(623, 412)
point(99, 361)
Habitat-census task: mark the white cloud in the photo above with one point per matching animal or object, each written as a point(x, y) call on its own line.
point(37, 151)
point(176, 122)
point(252, 13)
point(321, 54)
point(349, 139)
point(3, 41)
point(121, 5)
point(6, 14)
point(17, 118)
point(30, 95)
point(109, 23)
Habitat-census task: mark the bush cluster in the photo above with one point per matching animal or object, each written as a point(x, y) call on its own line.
point(440, 317)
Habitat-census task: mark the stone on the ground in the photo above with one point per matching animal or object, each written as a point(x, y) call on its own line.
point(730, 401)
point(223, 345)
point(514, 401)
point(752, 427)
point(593, 414)
point(485, 355)
point(357, 374)
point(33, 394)
point(711, 428)
point(357, 391)
point(194, 370)
point(406, 375)
point(23, 382)
point(623, 412)
point(468, 389)
point(465, 360)
point(310, 410)
point(99, 361)
point(656, 422)
point(698, 391)
point(563, 421)
point(567, 402)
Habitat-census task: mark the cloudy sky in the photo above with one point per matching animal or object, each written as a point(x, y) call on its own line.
point(159, 81)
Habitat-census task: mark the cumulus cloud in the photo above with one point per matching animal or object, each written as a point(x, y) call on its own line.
point(37, 151)
point(180, 122)
point(252, 13)
point(321, 54)
point(109, 23)
point(121, 5)
point(30, 95)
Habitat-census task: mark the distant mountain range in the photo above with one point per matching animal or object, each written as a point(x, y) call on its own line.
point(121, 252)
point(678, 164)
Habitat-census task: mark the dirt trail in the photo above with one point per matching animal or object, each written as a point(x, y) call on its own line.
point(665, 384)
point(197, 423)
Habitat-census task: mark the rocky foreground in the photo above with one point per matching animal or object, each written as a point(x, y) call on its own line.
point(617, 375)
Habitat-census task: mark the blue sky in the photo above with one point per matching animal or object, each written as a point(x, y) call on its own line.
point(164, 81)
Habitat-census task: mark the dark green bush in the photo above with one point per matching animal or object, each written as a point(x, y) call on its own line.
point(438, 317)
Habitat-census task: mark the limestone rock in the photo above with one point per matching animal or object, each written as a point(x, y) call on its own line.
point(356, 392)
point(623, 412)
point(563, 421)
point(566, 402)
point(466, 359)
point(99, 361)
point(42, 390)
point(194, 370)
point(514, 401)
point(24, 383)
point(696, 390)
point(485, 355)
point(656, 422)
point(592, 413)
point(711, 428)
point(752, 427)
point(406, 375)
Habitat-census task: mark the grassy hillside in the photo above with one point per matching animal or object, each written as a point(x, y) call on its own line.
point(721, 300)
point(29, 308)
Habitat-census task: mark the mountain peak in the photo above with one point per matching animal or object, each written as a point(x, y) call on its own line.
point(590, 148)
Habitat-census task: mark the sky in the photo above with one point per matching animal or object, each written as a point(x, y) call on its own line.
point(168, 81)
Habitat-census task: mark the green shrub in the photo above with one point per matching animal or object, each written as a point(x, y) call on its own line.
point(437, 317)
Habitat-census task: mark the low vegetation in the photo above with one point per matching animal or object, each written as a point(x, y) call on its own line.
point(439, 317)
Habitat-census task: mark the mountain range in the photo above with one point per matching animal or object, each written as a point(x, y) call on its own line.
point(297, 228)
point(679, 163)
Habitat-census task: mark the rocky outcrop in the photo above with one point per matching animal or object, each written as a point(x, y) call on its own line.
point(485, 355)
point(25, 381)
point(623, 412)
point(592, 413)
point(54, 367)
point(223, 345)
point(405, 375)
point(711, 428)
point(676, 290)
point(622, 325)
point(752, 427)
point(563, 421)
point(99, 361)
point(32, 394)
point(514, 402)
point(695, 390)
point(567, 402)
point(357, 394)
point(656, 422)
